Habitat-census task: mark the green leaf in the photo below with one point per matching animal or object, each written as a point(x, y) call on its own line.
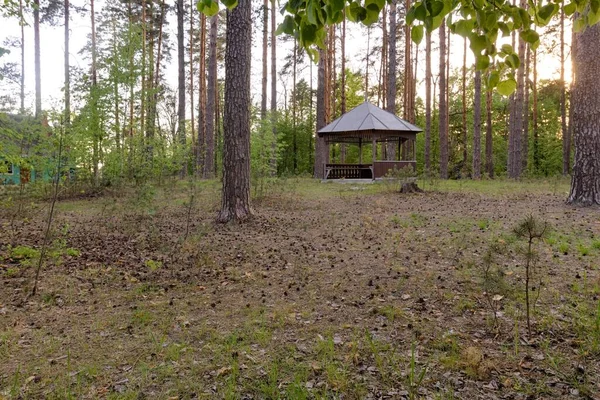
point(464, 27)
point(570, 9)
point(504, 28)
point(482, 62)
point(337, 5)
point(287, 26)
point(208, 7)
point(578, 24)
point(507, 87)
point(435, 8)
point(530, 36)
point(512, 60)
point(595, 6)
point(593, 18)
point(493, 79)
point(416, 33)
point(507, 49)
point(311, 12)
point(230, 4)
point(420, 13)
point(308, 34)
point(478, 43)
point(546, 12)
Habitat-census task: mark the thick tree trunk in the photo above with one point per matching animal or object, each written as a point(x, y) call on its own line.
point(191, 54)
point(294, 109)
point(37, 61)
point(536, 136)
point(181, 84)
point(428, 102)
point(443, 127)
point(477, 127)
point(321, 151)
point(235, 205)
point(563, 100)
point(585, 184)
point(211, 99)
point(525, 140)
point(392, 73)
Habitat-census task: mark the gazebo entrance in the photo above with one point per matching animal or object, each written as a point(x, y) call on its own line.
point(371, 126)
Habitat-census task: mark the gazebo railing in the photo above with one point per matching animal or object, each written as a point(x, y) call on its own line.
point(348, 171)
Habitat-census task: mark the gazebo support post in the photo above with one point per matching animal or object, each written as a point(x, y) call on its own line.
point(374, 155)
point(360, 150)
point(399, 144)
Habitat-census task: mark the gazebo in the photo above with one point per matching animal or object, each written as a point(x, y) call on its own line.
point(370, 124)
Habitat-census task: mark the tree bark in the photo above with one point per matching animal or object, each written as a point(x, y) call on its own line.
point(343, 83)
point(443, 127)
point(37, 57)
point(22, 23)
point(489, 150)
point(202, 97)
point(265, 43)
point(464, 101)
point(181, 85)
point(477, 127)
point(428, 102)
point(211, 99)
point(67, 112)
point(191, 54)
point(94, 103)
point(392, 73)
point(525, 140)
point(273, 87)
point(235, 204)
point(321, 151)
point(563, 100)
point(585, 184)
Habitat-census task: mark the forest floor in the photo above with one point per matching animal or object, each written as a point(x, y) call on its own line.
point(331, 291)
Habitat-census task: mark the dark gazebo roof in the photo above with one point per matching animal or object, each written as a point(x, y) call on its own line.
point(366, 122)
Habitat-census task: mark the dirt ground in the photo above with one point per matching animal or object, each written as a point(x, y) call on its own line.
point(331, 291)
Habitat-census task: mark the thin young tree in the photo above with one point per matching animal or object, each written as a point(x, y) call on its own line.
point(464, 104)
point(265, 43)
point(273, 86)
point(235, 203)
point(67, 112)
point(489, 149)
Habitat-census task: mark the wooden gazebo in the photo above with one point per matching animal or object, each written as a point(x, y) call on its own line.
point(370, 124)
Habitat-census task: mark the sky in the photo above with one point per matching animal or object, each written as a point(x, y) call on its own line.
point(52, 48)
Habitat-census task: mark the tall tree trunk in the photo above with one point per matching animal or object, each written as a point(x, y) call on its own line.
point(67, 112)
point(211, 100)
point(202, 97)
point(132, 81)
point(428, 103)
point(94, 99)
point(489, 149)
point(192, 119)
point(235, 205)
point(321, 151)
point(526, 86)
point(585, 183)
point(37, 61)
point(563, 100)
point(274, 87)
point(443, 127)
point(116, 97)
point(464, 104)
point(343, 83)
point(144, 70)
point(408, 85)
point(392, 73)
point(477, 127)
point(536, 136)
point(22, 23)
point(265, 43)
point(294, 108)
point(181, 85)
